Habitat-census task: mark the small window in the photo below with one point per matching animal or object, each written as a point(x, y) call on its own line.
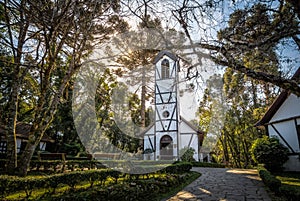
point(165, 69)
point(3, 147)
point(166, 114)
point(298, 134)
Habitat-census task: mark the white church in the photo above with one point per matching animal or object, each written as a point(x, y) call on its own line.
point(169, 133)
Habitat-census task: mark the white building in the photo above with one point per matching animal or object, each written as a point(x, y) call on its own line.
point(22, 135)
point(169, 133)
point(282, 120)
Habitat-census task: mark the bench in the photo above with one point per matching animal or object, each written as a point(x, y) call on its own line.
point(51, 160)
point(107, 156)
point(52, 156)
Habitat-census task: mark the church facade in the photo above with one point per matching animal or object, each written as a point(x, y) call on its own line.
point(170, 133)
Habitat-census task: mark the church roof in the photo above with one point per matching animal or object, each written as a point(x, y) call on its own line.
point(191, 125)
point(22, 132)
point(167, 53)
point(276, 104)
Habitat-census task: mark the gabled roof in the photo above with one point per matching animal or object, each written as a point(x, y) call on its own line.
point(167, 53)
point(22, 132)
point(191, 126)
point(277, 103)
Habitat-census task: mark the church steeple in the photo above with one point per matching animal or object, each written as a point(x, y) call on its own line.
point(170, 132)
point(166, 105)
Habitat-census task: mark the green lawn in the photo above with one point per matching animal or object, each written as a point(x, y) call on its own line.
point(290, 186)
point(83, 189)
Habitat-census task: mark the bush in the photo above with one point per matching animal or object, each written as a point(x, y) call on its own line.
point(178, 168)
point(187, 154)
point(269, 180)
point(212, 165)
point(270, 152)
point(139, 190)
point(10, 184)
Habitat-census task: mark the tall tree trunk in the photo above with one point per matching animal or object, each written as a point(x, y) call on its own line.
point(17, 77)
point(143, 99)
point(26, 157)
point(225, 148)
point(43, 117)
point(11, 164)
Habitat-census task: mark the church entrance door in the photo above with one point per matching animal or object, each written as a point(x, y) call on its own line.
point(166, 148)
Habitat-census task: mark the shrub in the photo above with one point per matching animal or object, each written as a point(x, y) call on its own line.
point(187, 154)
point(202, 164)
point(178, 168)
point(270, 152)
point(10, 184)
point(269, 180)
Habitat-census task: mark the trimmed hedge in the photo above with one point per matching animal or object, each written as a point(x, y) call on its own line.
point(275, 185)
point(269, 180)
point(58, 165)
point(10, 184)
point(178, 168)
point(139, 190)
point(212, 165)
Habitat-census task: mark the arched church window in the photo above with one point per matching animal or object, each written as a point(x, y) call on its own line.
point(165, 69)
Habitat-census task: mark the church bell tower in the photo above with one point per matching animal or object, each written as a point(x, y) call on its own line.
point(166, 127)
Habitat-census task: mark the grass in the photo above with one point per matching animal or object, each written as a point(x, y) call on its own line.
point(174, 191)
point(84, 186)
point(288, 179)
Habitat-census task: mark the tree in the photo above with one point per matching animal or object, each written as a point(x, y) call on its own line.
point(274, 23)
point(247, 97)
point(187, 154)
point(136, 64)
point(257, 29)
point(38, 41)
point(140, 74)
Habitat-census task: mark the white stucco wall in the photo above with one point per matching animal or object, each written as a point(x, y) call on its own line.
point(290, 108)
point(168, 96)
point(187, 136)
point(288, 131)
point(293, 164)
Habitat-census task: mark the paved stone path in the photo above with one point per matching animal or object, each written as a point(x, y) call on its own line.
point(222, 184)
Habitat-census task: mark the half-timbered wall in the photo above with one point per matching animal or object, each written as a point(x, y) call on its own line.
point(284, 125)
point(169, 134)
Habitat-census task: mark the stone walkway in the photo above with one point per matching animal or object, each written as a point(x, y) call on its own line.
point(220, 184)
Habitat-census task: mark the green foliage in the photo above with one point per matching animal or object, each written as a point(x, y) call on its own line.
point(213, 165)
point(290, 188)
point(269, 179)
point(151, 189)
point(187, 154)
point(10, 184)
point(290, 192)
point(58, 165)
point(163, 181)
point(178, 168)
point(270, 152)
point(279, 184)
